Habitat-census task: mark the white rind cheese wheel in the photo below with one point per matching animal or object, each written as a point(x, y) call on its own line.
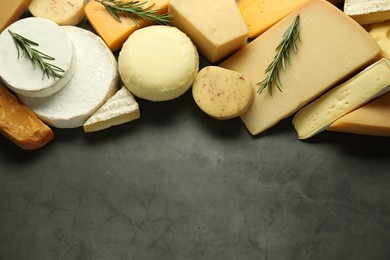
point(19, 74)
point(158, 63)
point(95, 81)
point(69, 12)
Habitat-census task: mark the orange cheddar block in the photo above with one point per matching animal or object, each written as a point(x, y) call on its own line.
point(11, 10)
point(259, 15)
point(113, 32)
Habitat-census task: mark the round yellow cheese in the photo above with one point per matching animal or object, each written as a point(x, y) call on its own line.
point(222, 93)
point(158, 63)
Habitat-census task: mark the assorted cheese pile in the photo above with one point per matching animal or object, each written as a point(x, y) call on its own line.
point(329, 81)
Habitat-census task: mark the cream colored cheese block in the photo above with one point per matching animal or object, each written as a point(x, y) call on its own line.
point(19, 74)
point(370, 119)
point(368, 11)
point(215, 26)
point(69, 12)
point(119, 109)
point(222, 93)
point(365, 86)
point(158, 63)
point(381, 33)
point(321, 62)
point(94, 82)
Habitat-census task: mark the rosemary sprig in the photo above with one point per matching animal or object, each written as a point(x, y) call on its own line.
point(134, 10)
point(290, 37)
point(24, 45)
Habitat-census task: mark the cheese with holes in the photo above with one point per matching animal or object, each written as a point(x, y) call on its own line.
point(215, 26)
point(158, 63)
point(368, 11)
point(260, 15)
point(381, 34)
point(371, 83)
point(19, 124)
point(113, 32)
point(69, 12)
point(18, 71)
point(10, 11)
point(119, 109)
point(370, 119)
point(321, 63)
point(94, 82)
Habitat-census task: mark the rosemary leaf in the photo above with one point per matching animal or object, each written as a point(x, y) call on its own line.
point(23, 45)
point(289, 41)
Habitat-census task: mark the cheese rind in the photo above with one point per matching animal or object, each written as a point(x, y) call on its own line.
point(95, 80)
point(368, 11)
point(69, 12)
point(372, 82)
point(332, 47)
point(52, 41)
point(10, 11)
point(215, 26)
point(115, 33)
point(158, 63)
point(119, 109)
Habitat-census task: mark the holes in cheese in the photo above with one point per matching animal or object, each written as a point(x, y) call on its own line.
point(158, 63)
point(222, 93)
point(20, 74)
point(10, 11)
point(381, 33)
point(372, 82)
point(69, 12)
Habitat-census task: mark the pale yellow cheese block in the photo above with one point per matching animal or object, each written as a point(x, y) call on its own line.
point(69, 12)
point(332, 48)
point(215, 26)
point(222, 93)
point(10, 11)
point(368, 11)
point(381, 34)
point(370, 119)
point(373, 82)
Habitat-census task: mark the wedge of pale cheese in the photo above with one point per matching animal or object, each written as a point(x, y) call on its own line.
point(69, 12)
point(332, 48)
point(18, 71)
point(381, 34)
point(371, 83)
point(10, 11)
point(370, 119)
point(113, 32)
point(368, 11)
point(95, 81)
point(119, 109)
point(215, 26)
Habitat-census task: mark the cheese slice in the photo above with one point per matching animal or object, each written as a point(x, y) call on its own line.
point(119, 109)
point(10, 11)
point(368, 11)
point(215, 26)
point(69, 12)
point(115, 33)
point(17, 70)
point(372, 82)
point(326, 56)
point(95, 80)
point(381, 32)
point(370, 119)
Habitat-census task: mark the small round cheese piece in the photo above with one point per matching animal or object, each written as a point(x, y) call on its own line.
point(222, 93)
point(95, 80)
point(18, 71)
point(69, 12)
point(158, 63)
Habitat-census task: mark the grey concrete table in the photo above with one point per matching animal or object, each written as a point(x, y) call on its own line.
point(177, 184)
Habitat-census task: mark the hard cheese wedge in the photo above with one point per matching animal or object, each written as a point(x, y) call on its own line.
point(368, 11)
point(327, 55)
point(215, 26)
point(381, 32)
point(113, 32)
point(370, 119)
point(120, 108)
point(365, 86)
point(10, 11)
